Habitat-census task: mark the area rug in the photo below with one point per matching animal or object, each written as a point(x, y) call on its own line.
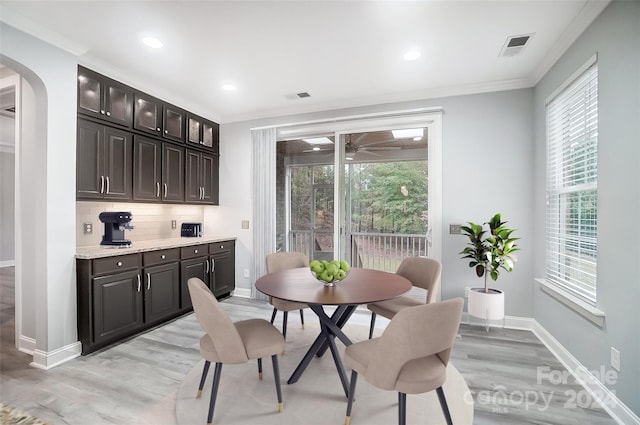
point(11, 416)
point(317, 398)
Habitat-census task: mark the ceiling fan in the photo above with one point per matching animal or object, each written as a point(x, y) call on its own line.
point(352, 147)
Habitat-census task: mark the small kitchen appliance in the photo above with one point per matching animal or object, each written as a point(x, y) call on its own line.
point(115, 223)
point(192, 230)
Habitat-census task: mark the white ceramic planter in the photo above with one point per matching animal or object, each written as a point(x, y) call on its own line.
point(486, 305)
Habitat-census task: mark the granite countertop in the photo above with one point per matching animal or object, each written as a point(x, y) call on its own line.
point(98, 251)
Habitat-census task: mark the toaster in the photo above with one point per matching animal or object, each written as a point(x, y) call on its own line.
point(191, 230)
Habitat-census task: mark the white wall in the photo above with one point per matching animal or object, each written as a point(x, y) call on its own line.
point(615, 36)
point(487, 168)
point(47, 187)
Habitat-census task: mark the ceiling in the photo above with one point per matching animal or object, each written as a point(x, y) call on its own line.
point(343, 53)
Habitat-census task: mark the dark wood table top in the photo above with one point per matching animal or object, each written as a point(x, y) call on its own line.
point(361, 286)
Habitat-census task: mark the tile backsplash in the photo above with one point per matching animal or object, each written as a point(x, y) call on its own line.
point(151, 221)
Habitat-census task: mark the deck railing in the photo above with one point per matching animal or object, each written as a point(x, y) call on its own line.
point(379, 251)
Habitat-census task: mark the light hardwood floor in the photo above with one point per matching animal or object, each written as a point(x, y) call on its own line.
point(136, 382)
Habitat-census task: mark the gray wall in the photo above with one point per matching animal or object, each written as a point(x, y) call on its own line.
point(7, 205)
point(487, 168)
point(615, 36)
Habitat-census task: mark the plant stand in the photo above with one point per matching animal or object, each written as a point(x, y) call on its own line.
point(486, 305)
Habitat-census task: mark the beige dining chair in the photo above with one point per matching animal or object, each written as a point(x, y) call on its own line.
point(410, 357)
point(226, 342)
point(282, 261)
point(423, 273)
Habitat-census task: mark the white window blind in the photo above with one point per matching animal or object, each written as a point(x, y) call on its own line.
point(572, 183)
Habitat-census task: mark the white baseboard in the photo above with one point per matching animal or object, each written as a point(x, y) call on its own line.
point(242, 292)
point(26, 344)
point(47, 359)
point(596, 389)
point(7, 263)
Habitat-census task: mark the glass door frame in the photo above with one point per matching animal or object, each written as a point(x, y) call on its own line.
point(429, 118)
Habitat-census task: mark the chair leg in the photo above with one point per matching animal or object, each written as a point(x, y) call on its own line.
point(444, 406)
point(402, 408)
point(260, 369)
point(285, 315)
point(276, 376)
point(273, 315)
point(214, 391)
point(352, 390)
point(207, 363)
point(302, 318)
point(373, 322)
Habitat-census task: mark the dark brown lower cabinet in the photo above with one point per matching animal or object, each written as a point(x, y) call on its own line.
point(194, 267)
point(162, 292)
point(222, 265)
point(122, 295)
point(117, 305)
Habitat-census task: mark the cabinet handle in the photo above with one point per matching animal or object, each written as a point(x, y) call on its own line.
point(158, 129)
point(107, 184)
point(102, 111)
point(163, 256)
point(157, 189)
point(119, 264)
point(108, 113)
point(166, 132)
point(213, 265)
point(148, 281)
point(165, 190)
point(138, 283)
point(195, 251)
point(101, 184)
point(207, 269)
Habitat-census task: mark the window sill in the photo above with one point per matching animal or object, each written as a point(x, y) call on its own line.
point(574, 303)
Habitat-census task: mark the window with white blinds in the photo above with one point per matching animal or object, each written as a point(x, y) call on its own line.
point(572, 183)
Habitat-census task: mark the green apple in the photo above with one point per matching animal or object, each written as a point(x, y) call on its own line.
point(326, 276)
point(340, 274)
point(344, 266)
point(332, 268)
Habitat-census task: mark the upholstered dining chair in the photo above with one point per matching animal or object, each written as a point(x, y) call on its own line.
point(226, 342)
point(282, 261)
point(423, 273)
point(410, 356)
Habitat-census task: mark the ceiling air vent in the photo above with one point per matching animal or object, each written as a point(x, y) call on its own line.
point(515, 44)
point(303, 94)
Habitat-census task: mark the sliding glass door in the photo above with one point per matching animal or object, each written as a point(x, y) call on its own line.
point(362, 195)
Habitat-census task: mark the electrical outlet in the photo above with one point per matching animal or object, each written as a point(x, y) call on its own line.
point(173, 224)
point(246, 272)
point(615, 359)
point(245, 224)
point(88, 228)
point(454, 229)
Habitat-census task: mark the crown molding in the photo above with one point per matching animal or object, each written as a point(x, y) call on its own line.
point(590, 11)
point(34, 29)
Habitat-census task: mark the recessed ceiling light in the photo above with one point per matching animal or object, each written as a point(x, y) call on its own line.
point(408, 133)
point(318, 141)
point(229, 87)
point(152, 42)
point(411, 55)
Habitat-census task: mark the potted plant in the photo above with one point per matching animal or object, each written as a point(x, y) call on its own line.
point(489, 252)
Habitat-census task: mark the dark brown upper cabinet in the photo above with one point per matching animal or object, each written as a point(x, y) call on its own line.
point(203, 132)
point(201, 178)
point(158, 171)
point(159, 118)
point(104, 158)
point(104, 98)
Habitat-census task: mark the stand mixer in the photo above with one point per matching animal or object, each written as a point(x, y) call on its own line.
point(115, 223)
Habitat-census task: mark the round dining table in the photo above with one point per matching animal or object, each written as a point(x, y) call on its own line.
point(361, 286)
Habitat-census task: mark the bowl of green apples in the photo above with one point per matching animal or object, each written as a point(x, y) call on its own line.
point(329, 272)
